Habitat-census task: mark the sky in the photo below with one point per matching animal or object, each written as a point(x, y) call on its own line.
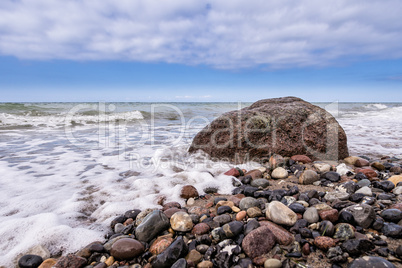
point(200, 50)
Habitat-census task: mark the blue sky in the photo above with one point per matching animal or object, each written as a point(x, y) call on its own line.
point(184, 50)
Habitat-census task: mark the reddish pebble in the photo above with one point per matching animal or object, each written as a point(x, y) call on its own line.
point(329, 215)
point(171, 205)
point(259, 260)
point(241, 215)
point(235, 200)
point(324, 242)
point(160, 244)
point(128, 222)
point(255, 174)
point(361, 162)
point(200, 229)
point(282, 236)
point(306, 249)
point(370, 173)
point(301, 158)
point(169, 212)
point(209, 204)
point(188, 191)
point(233, 172)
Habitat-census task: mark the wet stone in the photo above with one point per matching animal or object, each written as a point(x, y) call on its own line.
point(391, 215)
point(142, 215)
point(305, 233)
point(368, 200)
point(254, 212)
point(250, 226)
point(188, 191)
point(205, 264)
point(324, 243)
point(272, 263)
point(70, 260)
point(249, 190)
point(332, 196)
point(232, 229)
point(363, 215)
point(331, 215)
point(260, 183)
point(344, 231)
point(248, 202)
point(279, 173)
point(297, 208)
point(224, 203)
point(169, 212)
point(258, 242)
point(48, 263)
point(378, 223)
point(222, 219)
point(397, 190)
point(356, 247)
point(364, 190)
point(331, 176)
point(280, 213)
point(193, 257)
point(311, 215)
point(356, 197)
point(30, 261)
point(368, 261)
point(282, 236)
point(119, 219)
point(126, 248)
point(118, 228)
point(224, 209)
point(200, 228)
point(364, 182)
point(392, 230)
point(132, 213)
point(152, 224)
point(296, 169)
point(160, 244)
point(171, 205)
point(383, 252)
point(326, 228)
point(168, 257)
point(308, 177)
point(384, 185)
point(218, 199)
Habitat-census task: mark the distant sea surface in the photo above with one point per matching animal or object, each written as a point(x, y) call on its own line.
point(68, 168)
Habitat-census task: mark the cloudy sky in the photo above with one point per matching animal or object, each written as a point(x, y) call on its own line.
point(199, 50)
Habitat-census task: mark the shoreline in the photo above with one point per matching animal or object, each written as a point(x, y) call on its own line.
point(208, 232)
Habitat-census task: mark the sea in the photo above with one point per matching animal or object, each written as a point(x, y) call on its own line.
point(67, 169)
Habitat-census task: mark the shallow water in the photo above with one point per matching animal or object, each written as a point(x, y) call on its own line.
point(68, 168)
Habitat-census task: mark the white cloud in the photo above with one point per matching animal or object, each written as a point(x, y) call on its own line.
point(218, 33)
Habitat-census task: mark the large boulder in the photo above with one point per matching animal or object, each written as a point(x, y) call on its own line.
point(287, 126)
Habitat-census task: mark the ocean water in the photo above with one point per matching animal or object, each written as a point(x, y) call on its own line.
point(68, 168)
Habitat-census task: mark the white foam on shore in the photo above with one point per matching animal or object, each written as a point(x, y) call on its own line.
point(374, 132)
point(63, 195)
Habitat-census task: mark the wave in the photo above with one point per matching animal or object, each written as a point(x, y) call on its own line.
point(376, 106)
point(40, 118)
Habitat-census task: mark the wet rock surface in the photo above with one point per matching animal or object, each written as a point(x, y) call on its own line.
point(264, 115)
